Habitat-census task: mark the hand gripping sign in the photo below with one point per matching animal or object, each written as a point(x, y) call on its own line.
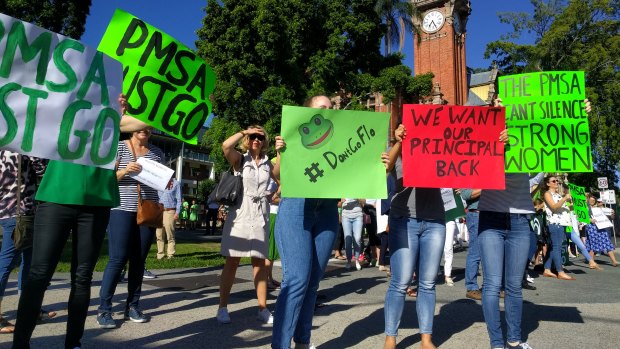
point(55, 96)
point(166, 84)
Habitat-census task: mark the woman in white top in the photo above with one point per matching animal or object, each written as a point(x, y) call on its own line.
point(246, 230)
point(558, 218)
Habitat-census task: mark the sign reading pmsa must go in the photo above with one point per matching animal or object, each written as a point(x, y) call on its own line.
point(57, 96)
point(166, 84)
point(333, 153)
point(547, 122)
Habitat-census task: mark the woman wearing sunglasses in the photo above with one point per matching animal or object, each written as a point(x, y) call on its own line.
point(246, 230)
point(558, 218)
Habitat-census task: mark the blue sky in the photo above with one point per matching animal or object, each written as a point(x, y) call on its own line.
point(182, 19)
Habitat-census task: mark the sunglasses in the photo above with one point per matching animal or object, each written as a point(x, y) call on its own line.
point(553, 181)
point(255, 136)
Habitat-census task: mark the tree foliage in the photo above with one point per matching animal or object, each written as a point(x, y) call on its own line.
point(269, 53)
point(66, 17)
point(397, 18)
point(574, 35)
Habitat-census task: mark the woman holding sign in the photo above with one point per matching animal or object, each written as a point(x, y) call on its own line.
point(598, 240)
point(246, 230)
point(558, 218)
point(305, 232)
point(75, 201)
point(128, 241)
point(416, 240)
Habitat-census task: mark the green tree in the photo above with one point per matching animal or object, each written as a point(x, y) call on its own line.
point(396, 16)
point(66, 17)
point(205, 187)
point(574, 35)
point(269, 53)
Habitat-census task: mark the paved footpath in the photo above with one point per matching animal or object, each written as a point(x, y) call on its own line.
point(560, 314)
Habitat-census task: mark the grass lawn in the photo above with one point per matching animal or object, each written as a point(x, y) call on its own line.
point(188, 255)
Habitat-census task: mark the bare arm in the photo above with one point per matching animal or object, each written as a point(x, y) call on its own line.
point(275, 170)
point(554, 206)
point(389, 159)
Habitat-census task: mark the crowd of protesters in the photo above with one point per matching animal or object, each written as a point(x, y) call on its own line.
point(407, 235)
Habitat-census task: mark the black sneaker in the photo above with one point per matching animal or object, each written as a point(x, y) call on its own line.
point(134, 314)
point(528, 286)
point(148, 275)
point(105, 320)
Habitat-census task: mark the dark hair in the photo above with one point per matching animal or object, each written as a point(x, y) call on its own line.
point(544, 186)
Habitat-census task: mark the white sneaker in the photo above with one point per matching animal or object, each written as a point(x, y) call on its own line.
point(449, 281)
point(358, 265)
point(265, 316)
point(304, 346)
point(529, 278)
point(222, 316)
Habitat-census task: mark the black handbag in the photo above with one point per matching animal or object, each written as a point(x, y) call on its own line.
point(24, 224)
point(229, 189)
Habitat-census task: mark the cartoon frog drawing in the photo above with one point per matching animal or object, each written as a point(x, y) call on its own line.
point(316, 132)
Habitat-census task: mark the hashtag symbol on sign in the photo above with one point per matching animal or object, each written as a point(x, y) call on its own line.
point(314, 172)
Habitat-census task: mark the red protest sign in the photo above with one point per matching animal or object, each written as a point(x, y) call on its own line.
point(453, 146)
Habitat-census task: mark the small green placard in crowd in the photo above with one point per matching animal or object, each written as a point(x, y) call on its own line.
point(166, 84)
point(333, 153)
point(580, 204)
point(547, 122)
point(453, 204)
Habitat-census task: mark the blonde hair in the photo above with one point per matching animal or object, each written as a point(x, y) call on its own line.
point(245, 141)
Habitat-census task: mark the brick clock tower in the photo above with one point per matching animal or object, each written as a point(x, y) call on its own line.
point(440, 47)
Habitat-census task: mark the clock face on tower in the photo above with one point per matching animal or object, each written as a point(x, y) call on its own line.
point(433, 21)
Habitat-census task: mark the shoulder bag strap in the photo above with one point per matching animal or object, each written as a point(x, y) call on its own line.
point(19, 185)
point(133, 154)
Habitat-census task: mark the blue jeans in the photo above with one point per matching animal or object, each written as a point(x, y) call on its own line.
point(52, 225)
point(305, 232)
point(504, 241)
point(410, 239)
point(352, 228)
point(473, 252)
point(574, 236)
point(554, 252)
point(127, 241)
point(9, 256)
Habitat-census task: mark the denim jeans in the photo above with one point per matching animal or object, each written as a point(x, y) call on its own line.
point(305, 232)
point(9, 256)
point(52, 226)
point(127, 241)
point(574, 236)
point(554, 252)
point(352, 228)
point(413, 240)
point(504, 240)
point(473, 252)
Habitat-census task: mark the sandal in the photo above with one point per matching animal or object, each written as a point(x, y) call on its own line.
point(411, 292)
point(6, 327)
point(342, 258)
point(46, 315)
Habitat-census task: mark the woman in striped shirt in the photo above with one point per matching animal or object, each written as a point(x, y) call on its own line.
point(128, 241)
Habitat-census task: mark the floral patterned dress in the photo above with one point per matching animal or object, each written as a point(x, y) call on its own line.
point(598, 240)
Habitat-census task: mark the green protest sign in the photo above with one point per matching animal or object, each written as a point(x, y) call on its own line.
point(166, 84)
point(333, 153)
point(453, 204)
point(580, 204)
point(547, 122)
point(55, 96)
